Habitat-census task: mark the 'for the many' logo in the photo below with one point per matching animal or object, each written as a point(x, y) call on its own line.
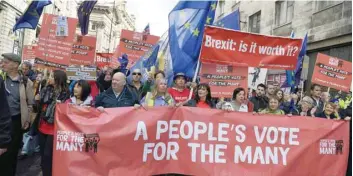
point(91, 142)
point(331, 147)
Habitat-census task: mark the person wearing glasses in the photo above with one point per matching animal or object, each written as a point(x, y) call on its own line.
point(159, 95)
point(136, 85)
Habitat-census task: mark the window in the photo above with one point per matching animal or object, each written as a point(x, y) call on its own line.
point(93, 27)
point(324, 4)
point(254, 22)
point(221, 7)
point(284, 12)
point(68, 3)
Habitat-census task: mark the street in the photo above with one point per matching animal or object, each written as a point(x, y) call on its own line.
point(29, 166)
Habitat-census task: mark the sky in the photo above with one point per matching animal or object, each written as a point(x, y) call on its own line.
point(154, 12)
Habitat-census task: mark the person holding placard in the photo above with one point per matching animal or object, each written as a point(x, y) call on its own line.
point(202, 98)
point(238, 103)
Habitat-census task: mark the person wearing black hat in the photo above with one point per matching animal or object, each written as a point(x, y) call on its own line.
point(179, 92)
point(20, 99)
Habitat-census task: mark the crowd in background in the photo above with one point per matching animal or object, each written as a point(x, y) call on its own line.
point(28, 99)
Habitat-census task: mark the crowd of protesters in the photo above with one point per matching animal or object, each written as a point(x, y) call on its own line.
point(28, 99)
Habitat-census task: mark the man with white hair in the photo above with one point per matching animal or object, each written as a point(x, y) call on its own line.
point(118, 95)
point(136, 85)
point(325, 97)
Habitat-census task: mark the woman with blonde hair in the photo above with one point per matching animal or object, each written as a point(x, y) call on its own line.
point(159, 95)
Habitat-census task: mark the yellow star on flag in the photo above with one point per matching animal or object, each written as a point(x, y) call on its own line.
point(187, 25)
point(195, 32)
point(208, 21)
point(213, 6)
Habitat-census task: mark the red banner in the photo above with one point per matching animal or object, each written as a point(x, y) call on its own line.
point(134, 44)
point(332, 72)
point(229, 47)
point(53, 48)
point(83, 50)
point(103, 59)
point(195, 141)
point(28, 52)
point(223, 79)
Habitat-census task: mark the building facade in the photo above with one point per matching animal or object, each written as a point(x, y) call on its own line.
point(327, 23)
point(106, 22)
point(9, 11)
point(12, 9)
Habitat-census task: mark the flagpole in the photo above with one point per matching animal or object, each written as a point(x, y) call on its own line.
point(195, 76)
point(302, 87)
point(197, 70)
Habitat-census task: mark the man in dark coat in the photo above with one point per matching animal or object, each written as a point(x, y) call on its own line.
point(118, 95)
point(260, 100)
point(5, 124)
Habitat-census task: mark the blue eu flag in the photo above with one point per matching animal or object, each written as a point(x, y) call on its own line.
point(149, 59)
point(186, 25)
point(31, 16)
point(231, 21)
point(83, 13)
point(293, 77)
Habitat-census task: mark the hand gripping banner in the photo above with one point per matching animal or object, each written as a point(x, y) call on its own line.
point(193, 141)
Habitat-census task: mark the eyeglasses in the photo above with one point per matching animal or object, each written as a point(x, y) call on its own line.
point(136, 74)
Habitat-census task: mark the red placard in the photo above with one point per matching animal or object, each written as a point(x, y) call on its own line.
point(103, 59)
point(223, 79)
point(229, 47)
point(83, 50)
point(28, 52)
point(195, 141)
point(134, 44)
point(52, 48)
point(332, 72)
